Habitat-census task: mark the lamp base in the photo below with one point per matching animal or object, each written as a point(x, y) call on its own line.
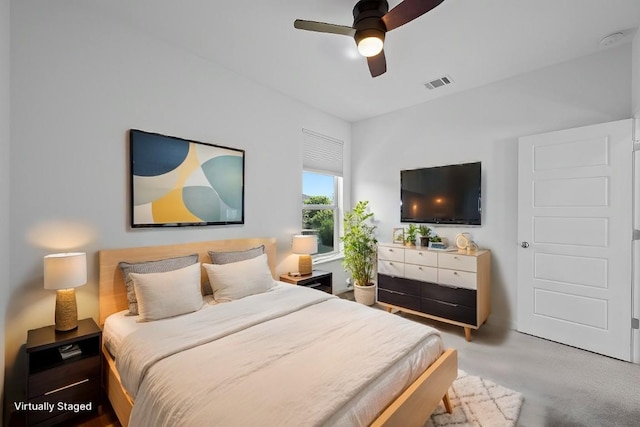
point(305, 266)
point(66, 310)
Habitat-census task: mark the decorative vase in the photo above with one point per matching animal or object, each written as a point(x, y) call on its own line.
point(364, 294)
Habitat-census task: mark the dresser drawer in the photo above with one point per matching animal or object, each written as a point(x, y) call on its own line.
point(391, 268)
point(404, 286)
point(399, 299)
point(390, 253)
point(455, 261)
point(63, 375)
point(459, 296)
point(419, 272)
point(458, 279)
point(426, 258)
point(447, 310)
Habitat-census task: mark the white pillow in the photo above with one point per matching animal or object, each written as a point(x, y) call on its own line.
point(239, 279)
point(168, 294)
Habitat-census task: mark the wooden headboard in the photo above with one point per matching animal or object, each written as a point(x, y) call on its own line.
point(113, 294)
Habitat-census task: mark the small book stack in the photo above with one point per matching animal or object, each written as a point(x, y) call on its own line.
point(68, 351)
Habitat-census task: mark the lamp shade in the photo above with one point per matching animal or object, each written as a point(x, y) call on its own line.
point(304, 245)
point(64, 271)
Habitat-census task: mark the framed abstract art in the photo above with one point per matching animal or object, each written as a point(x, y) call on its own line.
point(177, 183)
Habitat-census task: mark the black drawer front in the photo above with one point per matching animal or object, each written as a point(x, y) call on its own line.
point(399, 299)
point(459, 296)
point(65, 374)
point(398, 284)
point(61, 376)
point(84, 393)
point(459, 313)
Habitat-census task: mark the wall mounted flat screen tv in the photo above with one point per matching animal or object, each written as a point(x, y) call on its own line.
point(442, 195)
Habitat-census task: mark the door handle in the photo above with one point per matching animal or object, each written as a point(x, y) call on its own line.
point(524, 244)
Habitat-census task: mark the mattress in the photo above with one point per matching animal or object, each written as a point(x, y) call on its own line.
point(179, 390)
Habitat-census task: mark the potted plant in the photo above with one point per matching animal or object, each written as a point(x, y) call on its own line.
point(436, 242)
point(425, 234)
point(411, 235)
point(360, 252)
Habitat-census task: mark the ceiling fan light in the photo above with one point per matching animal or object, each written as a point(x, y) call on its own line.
point(370, 46)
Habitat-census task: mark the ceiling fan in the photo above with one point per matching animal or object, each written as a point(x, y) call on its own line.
point(371, 21)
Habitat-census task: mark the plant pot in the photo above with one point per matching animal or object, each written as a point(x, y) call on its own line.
point(365, 294)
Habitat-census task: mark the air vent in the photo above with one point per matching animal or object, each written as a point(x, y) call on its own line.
point(439, 82)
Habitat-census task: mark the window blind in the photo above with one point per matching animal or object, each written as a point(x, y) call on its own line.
point(322, 153)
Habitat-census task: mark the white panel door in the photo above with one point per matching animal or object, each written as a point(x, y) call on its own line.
point(575, 237)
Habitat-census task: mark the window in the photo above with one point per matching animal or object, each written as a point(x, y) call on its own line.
point(322, 190)
point(319, 209)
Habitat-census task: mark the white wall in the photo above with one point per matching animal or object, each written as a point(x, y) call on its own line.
point(635, 108)
point(5, 135)
point(79, 83)
point(484, 125)
point(635, 78)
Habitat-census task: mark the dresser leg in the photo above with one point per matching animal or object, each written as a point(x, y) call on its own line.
point(467, 334)
point(447, 403)
point(388, 309)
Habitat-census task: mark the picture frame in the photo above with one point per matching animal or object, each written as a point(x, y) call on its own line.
point(398, 235)
point(176, 182)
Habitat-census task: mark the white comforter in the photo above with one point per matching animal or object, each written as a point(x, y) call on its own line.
point(293, 356)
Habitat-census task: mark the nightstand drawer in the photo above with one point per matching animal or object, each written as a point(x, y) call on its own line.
point(67, 373)
point(83, 393)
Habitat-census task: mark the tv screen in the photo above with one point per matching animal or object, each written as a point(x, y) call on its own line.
point(441, 195)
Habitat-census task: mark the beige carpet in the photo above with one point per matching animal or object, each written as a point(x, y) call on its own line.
point(478, 402)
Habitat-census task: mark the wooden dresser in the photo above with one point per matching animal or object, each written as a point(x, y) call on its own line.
point(451, 287)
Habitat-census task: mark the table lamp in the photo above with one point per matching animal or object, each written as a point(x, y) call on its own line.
point(64, 272)
point(304, 246)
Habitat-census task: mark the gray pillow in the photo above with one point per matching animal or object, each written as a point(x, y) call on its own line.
point(230, 257)
point(158, 266)
point(235, 256)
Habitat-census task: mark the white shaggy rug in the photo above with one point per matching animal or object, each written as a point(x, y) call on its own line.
point(478, 403)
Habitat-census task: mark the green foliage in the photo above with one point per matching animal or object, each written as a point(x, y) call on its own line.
point(411, 234)
point(424, 231)
point(319, 220)
point(425, 234)
point(360, 244)
point(317, 200)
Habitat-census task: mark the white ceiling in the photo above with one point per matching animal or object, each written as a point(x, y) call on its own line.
point(475, 42)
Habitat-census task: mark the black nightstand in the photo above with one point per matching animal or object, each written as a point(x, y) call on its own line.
point(318, 279)
point(60, 389)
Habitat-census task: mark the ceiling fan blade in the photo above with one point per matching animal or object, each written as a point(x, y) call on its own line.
point(407, 11)
point(377, 64)
point(323, 27)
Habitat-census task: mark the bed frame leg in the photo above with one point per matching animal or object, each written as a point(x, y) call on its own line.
point(447, 403)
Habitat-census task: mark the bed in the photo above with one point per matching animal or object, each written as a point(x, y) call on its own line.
point(398, 383)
